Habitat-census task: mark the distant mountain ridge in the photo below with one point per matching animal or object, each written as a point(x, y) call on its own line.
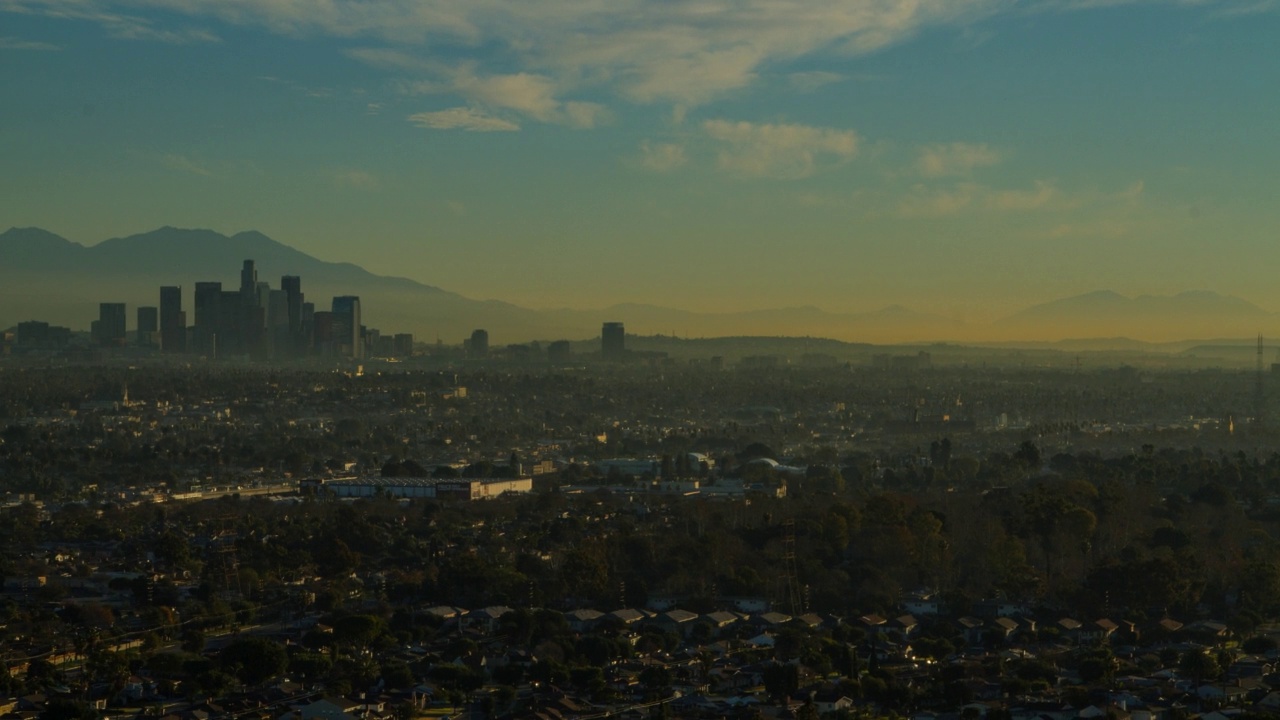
point(46, 277)
point(1105, 313)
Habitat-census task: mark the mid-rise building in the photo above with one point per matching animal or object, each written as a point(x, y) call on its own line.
point(109, 328)
point(402, 345)
point(478, 346)
point(613, 341)
point(148, 329)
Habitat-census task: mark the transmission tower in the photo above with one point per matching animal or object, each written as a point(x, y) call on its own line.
point(792, 596)
point(1259, 393)
point(224, 561)
point(227, 567)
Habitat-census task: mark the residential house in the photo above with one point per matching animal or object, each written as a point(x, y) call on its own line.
point(582, 620)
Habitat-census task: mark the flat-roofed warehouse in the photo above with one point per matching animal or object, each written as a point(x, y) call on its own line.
point(450, 489)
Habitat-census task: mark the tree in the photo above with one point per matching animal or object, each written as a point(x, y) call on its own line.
point(1028, 454)
point(781, 679)
point(1200, 665)
point(254, 660)
point(66, 709)
point(193, 640)
point(358, 630)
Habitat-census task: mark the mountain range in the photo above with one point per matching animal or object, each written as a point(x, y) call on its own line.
point(46, 277)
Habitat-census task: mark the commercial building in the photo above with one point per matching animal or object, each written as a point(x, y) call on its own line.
point(478, 346)
point(173, 322)
point(148, 329)
point(109, 328)
point(348, 335)
point(613, 341)
point(427, 488)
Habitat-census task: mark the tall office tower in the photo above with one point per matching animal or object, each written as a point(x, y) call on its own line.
point(323, 334)
point(148, 325)
point(292, 287)
point(253, 320)
point(479, 345)
point(110, 328)
point(208, 313)
point(230, 325)
point(306, 334)
point(248, 279)
point(279, 339)
point(347, 332)
point(613, 341)
point(173, 322)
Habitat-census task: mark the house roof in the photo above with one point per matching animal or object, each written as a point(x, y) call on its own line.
point(584, 615)
point(680, 616)
point(722, 617)
point(628, 615)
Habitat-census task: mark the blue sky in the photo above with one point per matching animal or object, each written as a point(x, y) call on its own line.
point(962, 157)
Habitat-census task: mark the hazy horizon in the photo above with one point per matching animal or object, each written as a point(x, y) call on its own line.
point(131, 269)
point(961, 158)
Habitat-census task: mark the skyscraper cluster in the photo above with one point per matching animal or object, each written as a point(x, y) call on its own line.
point(254, 320)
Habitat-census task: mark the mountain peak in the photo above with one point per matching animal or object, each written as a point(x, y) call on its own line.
point(34, 237)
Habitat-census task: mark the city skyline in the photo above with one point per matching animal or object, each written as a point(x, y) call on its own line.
point(128, 270)
point(965, 159)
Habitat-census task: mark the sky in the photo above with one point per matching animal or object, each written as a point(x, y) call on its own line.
point(960, 157)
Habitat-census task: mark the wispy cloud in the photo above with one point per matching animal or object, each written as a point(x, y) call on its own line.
point(810, 81)
point(925, 201)
point(661, 157)
point(391, 59)
point(780, 151)
point(687, 51)
point(352, 178)
point(182, 163)
point(957, 158)
point(1040, 196)
point(528, 94)
point(1248, 7)
point(585, 115)
point(671, 51)
point(462, 118)
point(13, 43)
point(124, 26)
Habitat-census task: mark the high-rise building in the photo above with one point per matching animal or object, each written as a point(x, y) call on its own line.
point(173, 322)
point(228, 332)
point(306, 337)
point(279, 339)
point(208, 301)
point(403, 345)
point(479, 344)
point(249, 280)
point(110, 326)
point(323, 333)
point(292, 287)
point(148, 329)
point(347, 331)
point(613, 341)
